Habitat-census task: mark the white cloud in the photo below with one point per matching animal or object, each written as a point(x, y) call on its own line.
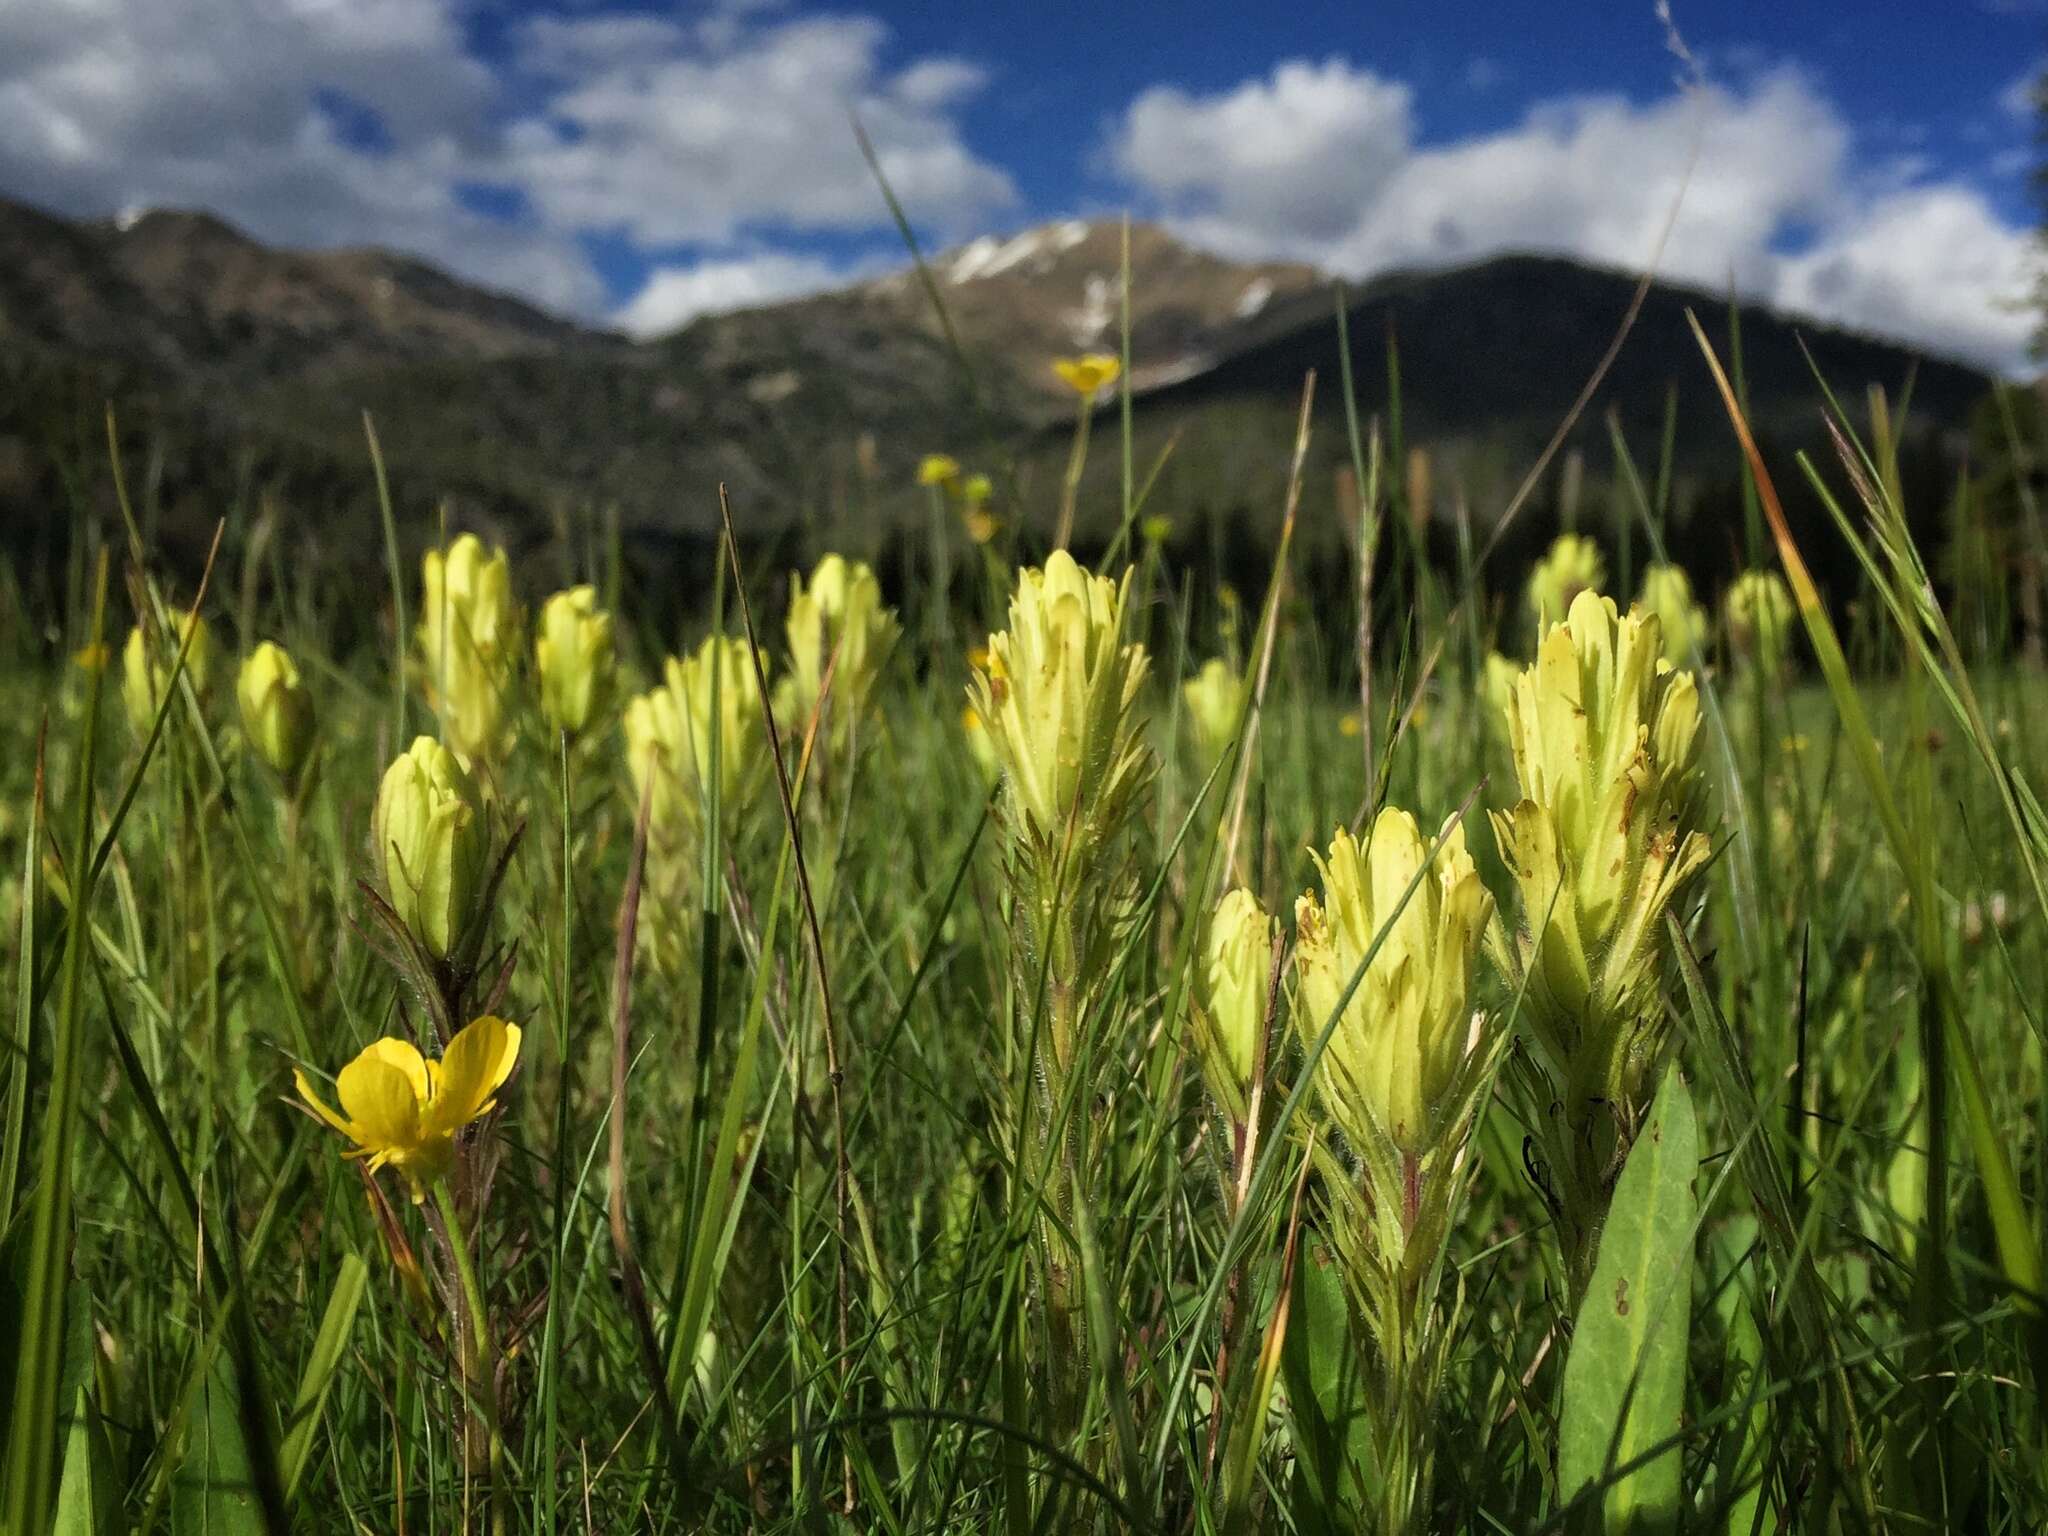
point(673, 296)
point(670, 141)
point(1774, 196)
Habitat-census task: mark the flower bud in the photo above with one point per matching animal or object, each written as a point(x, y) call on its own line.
point(1667, 592)
point(668, 738)
point(1758, 616)
point(277, 709)
point(573, 655)
point(468, 639)
point(1605, 736)
point(1233, 973)
point(839, 611)
point(1214, 697)
point(433, 844)
point(145, 677)
point(1394, 1055)
point(1572, 566)
point(1059, 694)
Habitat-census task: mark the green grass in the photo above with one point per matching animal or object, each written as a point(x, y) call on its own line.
point(832, 1308)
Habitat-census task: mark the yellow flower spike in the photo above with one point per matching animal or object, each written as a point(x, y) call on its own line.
point(839, 610)
point(1399, 1042)
point(1214, 696)
point(403, 1111)
point(433, 844)
point(1233, 972)
point(937, 469)
point(144, 677)
point(1605, 735)
point(469, 636)
point(1573, 565)
point(668, 738)
point(574, 657)
point(1060, 699)
point(1667, 592)
point(277, 709)
point(1757, 613)
point(1090, 374)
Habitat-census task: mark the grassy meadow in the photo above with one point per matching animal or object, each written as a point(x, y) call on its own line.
point(868, 1062)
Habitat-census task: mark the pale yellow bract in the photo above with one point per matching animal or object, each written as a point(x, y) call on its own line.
point(573, 653)
point(402, 1111)
point(668, 737)
point(144, 677)
point(1572, 565)
point(1214, 697)
point(838, 613)
point(469, 636)
point(1667, 593)
point(1233, 971)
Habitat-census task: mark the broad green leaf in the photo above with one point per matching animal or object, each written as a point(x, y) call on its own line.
point(214, 1490)
point(1624, 1383)
point(1326, 1399)
point(328, 1347)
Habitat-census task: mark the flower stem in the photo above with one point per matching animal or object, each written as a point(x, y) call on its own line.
point(485, 1373)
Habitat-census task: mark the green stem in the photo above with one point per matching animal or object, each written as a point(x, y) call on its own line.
point(485, 1374)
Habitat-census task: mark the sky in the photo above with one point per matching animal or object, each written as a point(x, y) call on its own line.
point(1865, 163)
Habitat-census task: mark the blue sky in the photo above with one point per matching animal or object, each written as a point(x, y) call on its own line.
point(638, 166)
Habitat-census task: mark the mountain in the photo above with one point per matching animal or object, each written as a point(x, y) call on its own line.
point(241, 373)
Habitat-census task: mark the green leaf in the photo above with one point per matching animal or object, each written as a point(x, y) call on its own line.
point(321, 1365)
point(1326, 1398)
point(214, 1490)
point(87, 1500)
point(1624, 1384)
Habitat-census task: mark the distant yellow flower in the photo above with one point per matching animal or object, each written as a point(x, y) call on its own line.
point(1350, 726)
point(1572, 566)
point(981, 526)
point(1758, 614)
point(979, 747)
point(403, 1111)
point(668, 737)
point(277, 709)
point(469, 638)
point(1404, 1032)
point(144, 677)
point(433, 844)
point(1233, 971)
point(841, 611)
point(1156, 529)
point(1214, 698)
point(573, 655)
point(1088, 375)
point(937, 469)
point(977, 658)
point(90, 658)
point(1667, 592)
point(976, 489)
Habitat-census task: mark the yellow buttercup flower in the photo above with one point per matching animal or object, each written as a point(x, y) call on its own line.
point(937, 469)
point(1214, 697)
point(277, 708)
point(1088, 375)
point(144, 677)
point(1394, 1055)
point(668, 737)
point(1667, 592)
point(1605, 736)
point(1758, 614)
point(573, 654)
point(403, 1111)
point(469, 635)
point(432, 843)
point(839, 611)
point(1572, 566)
point(1233, 971)
point(1060, 697)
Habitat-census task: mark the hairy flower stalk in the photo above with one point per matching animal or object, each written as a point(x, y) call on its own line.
point(1383, 963)
point(1607, 838)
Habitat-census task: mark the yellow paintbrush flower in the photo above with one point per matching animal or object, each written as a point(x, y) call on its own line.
point(668, 737)
point(144, 677)
point(1394, 1056)
point(277, 709)
point(574, 657)
point(1090, 374)
point(1214, 697)
point(839, 611)
point(1605, 736)
point(937, 469)
point(1667, 592)
point(403, 1111)
point(1060, 698)
point(433, 844)
point(469, 636)
point(1233, 973)
point(1758, 615)
point(1572, 566)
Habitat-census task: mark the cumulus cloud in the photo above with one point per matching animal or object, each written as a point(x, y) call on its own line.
point(326, 122)
point(1774, 196)
point(673, 296)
